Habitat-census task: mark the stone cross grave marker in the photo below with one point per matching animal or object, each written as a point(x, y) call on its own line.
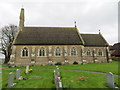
point(110, 80)
point(11, 79)
point(17, 73)
point(27, 68)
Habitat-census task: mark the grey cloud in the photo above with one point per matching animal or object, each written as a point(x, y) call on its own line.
point(90, 16)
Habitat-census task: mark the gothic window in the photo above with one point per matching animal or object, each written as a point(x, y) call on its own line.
point(42, 52)
point(88, 53)
point(73, 51)
point(57, 51)
point(99, 52)
point(25, 52)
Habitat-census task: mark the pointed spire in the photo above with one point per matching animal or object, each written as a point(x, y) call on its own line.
point(21, 23)
point(75, 24)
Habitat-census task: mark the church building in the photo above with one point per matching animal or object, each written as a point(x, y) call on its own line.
point(52, 45)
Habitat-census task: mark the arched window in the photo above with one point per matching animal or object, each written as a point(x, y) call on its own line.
point(99, 52)
point(42, 52)
point(73, 51)
point(88, 53)
point(58, 51)
point(25, 52)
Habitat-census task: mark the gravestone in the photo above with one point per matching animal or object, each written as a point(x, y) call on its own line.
point(17, 74)
point(57, 80)
point(60, 84)
point(27, 68)
point(11, 79)
point(56, 71)
point(55, 77)
point(110, 80)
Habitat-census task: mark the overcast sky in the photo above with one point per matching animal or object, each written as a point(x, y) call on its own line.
point(90, 15)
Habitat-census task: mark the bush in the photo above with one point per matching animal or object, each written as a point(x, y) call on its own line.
point(75, 62)
point(9, 66)
point(58, 63)
point(115, 58)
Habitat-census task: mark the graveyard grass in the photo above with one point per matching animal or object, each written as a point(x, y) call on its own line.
point(36, 79)
point(40, 77)
point(92, 80)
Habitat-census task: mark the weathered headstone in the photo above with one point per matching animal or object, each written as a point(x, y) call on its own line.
point(57, 70)
point(11, 79)
point(110, 80)
point(55, 77)
point(58, 73)
point(27, 68)
point(17, 73)
point(60, 84)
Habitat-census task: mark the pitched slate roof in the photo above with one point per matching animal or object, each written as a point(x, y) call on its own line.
point(48, 36)
point(94, 40)
point(115, 51)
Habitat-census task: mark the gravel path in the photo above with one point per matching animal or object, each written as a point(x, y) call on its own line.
point(83, 71)
point(73, 70)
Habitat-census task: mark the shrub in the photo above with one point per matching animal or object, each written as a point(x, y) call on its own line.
point(9, 66)
point(32, 65)
point(115, 58)
point(58, 63)
point(51, 64)
point(75, 62)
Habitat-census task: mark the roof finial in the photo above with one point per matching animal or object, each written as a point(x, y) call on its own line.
point(75, 23)
point(22, 6)
point(99, 31)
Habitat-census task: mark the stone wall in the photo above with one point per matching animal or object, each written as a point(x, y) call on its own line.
point(95, 57)
point(50, 57)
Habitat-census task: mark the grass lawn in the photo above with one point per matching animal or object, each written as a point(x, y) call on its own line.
point(71, 79)
point(98, 67)
point(43, 78)
point(36, 79)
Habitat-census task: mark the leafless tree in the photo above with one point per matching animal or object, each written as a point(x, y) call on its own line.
point(7, 36)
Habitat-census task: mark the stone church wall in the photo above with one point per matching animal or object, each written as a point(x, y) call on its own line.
point(96, 57)
point(50, 57)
